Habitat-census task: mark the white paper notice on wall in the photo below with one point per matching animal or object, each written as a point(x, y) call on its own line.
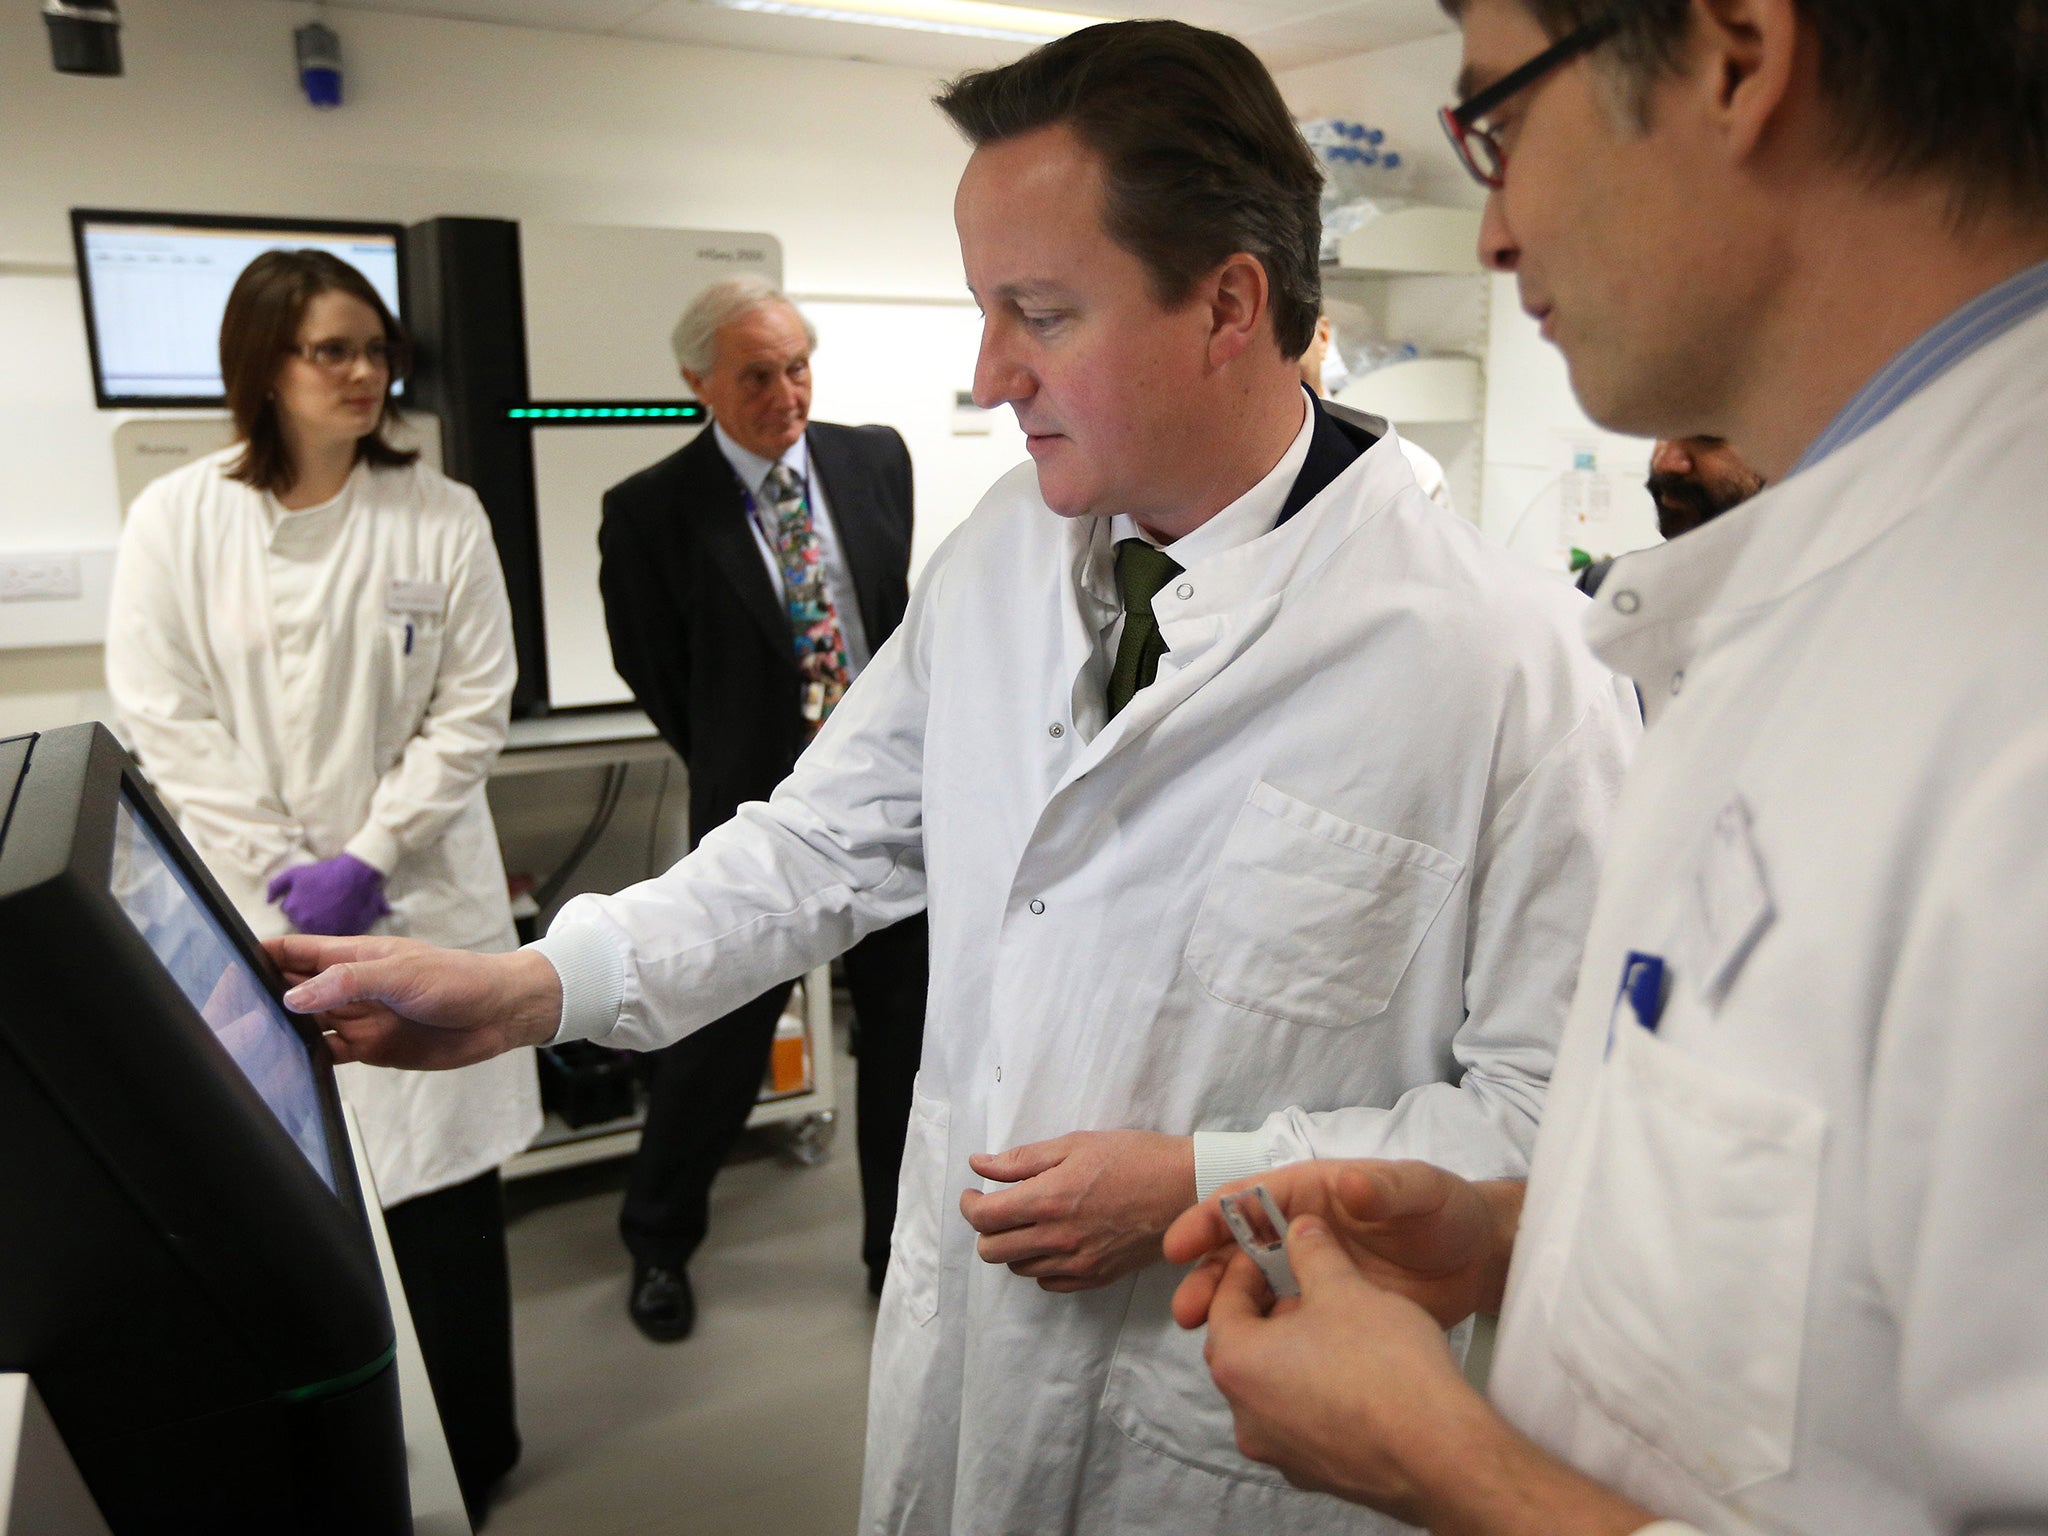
point(1591, 506)
point(1583, 499)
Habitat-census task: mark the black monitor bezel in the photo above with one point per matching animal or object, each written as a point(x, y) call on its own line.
point(80, 217)
point(140, 797)
point(74, 861)
point(178, 1277)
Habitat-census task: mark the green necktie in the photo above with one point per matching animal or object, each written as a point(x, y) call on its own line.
point(1141, 571)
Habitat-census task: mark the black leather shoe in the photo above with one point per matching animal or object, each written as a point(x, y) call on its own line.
point(662, 1305)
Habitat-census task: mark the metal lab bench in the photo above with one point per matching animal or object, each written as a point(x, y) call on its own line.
point(603, 739)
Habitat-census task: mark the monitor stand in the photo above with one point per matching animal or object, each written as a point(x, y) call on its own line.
point(41, 1493)
point(437, 1508)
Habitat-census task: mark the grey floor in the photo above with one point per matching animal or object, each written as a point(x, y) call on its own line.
point(754, 1423)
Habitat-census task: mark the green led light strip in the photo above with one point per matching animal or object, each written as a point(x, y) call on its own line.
point(343, 1383)
point(688, 411)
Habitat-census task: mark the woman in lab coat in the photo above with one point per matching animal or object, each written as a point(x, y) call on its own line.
point(311, 652)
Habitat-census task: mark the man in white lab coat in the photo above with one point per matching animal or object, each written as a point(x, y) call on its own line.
point(1256, 800)
point(1783, 1259)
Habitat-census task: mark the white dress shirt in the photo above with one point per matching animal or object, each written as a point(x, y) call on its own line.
point(1253, 514)
point(753, 472)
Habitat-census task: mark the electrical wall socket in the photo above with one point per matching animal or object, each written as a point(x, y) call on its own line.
point(29, 577)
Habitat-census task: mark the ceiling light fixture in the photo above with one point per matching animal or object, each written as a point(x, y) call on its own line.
point(960, 18)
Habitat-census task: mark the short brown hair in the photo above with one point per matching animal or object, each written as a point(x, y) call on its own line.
point(1957, 90)
point(1200, 158)
point(260, 326)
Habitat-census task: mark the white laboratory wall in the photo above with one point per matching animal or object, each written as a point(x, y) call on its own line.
point(1554, 480)
point(847, 163)
point(1534, 434)
point(905, 364)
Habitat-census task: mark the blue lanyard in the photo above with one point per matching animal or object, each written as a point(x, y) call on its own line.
point(771, 529)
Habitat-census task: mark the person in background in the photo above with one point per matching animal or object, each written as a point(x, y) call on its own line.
point(310, 650)
point(1429, 473)
point(1781, 1263)
point(748, 578)
point(1257, 800)
point(1693, 480)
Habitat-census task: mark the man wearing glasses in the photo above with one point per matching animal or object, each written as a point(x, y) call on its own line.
point(1782, 1263)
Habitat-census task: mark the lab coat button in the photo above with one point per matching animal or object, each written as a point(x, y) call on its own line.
point(1626, 602)
point(1056, 731)
point(1677, 682)
point(999, 1074)
point(1184, 591)
point(1037, 908)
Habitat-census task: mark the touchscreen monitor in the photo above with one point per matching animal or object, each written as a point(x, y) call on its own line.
point(195, 947)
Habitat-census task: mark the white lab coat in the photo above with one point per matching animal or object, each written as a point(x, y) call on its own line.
point(1327, 876)
point(1784, 1263)
point(1429, 472)
point(362, 716)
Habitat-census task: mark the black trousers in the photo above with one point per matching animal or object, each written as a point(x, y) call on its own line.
point(450, 1248)
point(705, 1086)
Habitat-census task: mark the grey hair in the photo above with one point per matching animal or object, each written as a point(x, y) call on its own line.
point(695, 338)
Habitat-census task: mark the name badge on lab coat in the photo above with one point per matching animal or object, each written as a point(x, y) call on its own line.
point(422, 599)
point(1730, 901)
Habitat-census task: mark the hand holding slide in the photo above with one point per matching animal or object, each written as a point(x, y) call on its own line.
point(1409, 1227)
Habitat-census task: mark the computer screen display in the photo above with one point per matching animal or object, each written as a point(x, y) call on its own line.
point(186, 935)
point(157, 285)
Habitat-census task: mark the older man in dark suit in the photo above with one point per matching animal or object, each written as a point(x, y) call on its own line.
point(747, 579)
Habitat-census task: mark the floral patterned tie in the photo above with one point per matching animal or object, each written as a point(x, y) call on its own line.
point(820, 644)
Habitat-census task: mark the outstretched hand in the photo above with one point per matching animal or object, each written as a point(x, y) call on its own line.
point(1408, 1227)
point(401, 1003)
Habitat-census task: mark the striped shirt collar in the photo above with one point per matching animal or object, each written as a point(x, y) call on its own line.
point(1981, 321)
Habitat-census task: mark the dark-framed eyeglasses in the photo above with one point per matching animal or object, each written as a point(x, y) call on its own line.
point(1466, 123)
point(335, 355)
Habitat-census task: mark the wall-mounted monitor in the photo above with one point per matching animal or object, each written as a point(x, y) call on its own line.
point(155, 286)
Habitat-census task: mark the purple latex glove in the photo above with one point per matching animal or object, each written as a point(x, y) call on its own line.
point(341, 895)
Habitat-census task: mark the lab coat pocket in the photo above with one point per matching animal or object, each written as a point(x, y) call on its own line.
point(414, 642)
point(921, 1203)
point(1159, 1392)
point(1680, 1305)
point(1312, 918)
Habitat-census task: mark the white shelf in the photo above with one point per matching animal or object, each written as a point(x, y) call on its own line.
point(1420, 238)
point(1420, 391)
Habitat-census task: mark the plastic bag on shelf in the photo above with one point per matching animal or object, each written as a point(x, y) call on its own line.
point(1363, 176)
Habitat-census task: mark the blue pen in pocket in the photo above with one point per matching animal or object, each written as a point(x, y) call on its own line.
point(1641, 991)
point(408, 639)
